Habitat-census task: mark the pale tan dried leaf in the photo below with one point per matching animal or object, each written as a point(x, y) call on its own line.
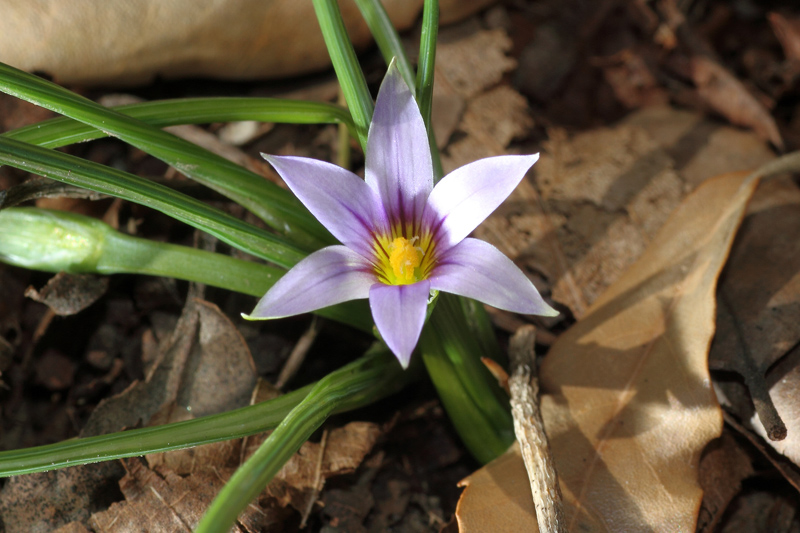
point(471, 59)
point(161, 500)
point(81, 41)
point(602, 196)
point(728, 96)
point(631, 407)
point(72, 527)
point(787, 30)
point(498, 498)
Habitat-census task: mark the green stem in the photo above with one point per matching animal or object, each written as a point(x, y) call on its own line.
point(476, 431)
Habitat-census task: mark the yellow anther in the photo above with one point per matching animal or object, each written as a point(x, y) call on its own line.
point(404, 258)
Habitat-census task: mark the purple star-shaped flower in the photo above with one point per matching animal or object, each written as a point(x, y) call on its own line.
point(402, 237)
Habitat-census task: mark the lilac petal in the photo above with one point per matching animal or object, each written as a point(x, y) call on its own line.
point(329, 276)
point(478, 270)
point(399, 313)
point(339, 199)
point(399, 166)
point(469, 194)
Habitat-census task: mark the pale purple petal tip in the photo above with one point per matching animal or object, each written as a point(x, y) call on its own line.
point(469, 194)
point(478, 270)
point(399, 313)
point(329, 276)
point(399, 166)
point(339, 199)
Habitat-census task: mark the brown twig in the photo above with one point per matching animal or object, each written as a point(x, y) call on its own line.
point(529, 428)
point(298, 354)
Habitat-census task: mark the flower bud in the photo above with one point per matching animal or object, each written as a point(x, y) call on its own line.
point(48, 240)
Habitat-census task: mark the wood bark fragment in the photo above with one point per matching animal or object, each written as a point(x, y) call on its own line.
point(529, 428)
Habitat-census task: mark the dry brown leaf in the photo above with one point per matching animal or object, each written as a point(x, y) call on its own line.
point(760, 296)
point(631, 406)
point(470, 62)
point(723, 467)
point(68, 294)
point(43, 502)
point(471, 59)
point(787, 30)
point(498, 498)
point(728, 96)
point(84, 42)
point(603, 195)
point(344, 451)
point(161, 500)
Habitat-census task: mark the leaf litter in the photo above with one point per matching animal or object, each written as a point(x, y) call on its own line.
point(600, 197)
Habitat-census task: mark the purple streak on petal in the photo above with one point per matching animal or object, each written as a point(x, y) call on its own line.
point(339, 199)
point(478, 270)
point(399, 313)
point(469, 194)
point(329, 276)
point(399, 164)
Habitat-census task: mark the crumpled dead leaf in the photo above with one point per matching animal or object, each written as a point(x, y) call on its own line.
point(497, 497)
point(86, 42)
point(161, 500)
point(629, 407)
point(723, 467)
point(787, 30)
point(600, 197)
point(760, 297)
point(720, 89)
point(68, 294)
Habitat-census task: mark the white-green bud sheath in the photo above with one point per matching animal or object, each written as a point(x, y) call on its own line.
point(51, 240)
point(56, 241)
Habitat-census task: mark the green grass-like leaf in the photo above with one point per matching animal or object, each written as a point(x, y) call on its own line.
point(425, 74)
point(328, 396)
point(276, 206)
point(63, 131)
point(387, 38)
point(96, 177)
point(367, 379)
point(345, 63)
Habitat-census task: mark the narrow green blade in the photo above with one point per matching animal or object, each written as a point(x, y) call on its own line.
point(77, 171)
point(345, 63)
point(62, 131)
point(276, 206)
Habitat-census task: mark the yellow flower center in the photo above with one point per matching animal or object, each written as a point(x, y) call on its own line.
point(404, 259)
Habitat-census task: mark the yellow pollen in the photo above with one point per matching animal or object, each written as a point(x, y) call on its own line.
point(404, 258)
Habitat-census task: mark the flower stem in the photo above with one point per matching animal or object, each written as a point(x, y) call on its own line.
point(476, 404)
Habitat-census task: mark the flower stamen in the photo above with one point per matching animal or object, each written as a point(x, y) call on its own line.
point(404, 259)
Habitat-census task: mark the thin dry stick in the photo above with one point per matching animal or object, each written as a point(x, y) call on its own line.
point(524, 388)
point(312, 498)
point(298, 354)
